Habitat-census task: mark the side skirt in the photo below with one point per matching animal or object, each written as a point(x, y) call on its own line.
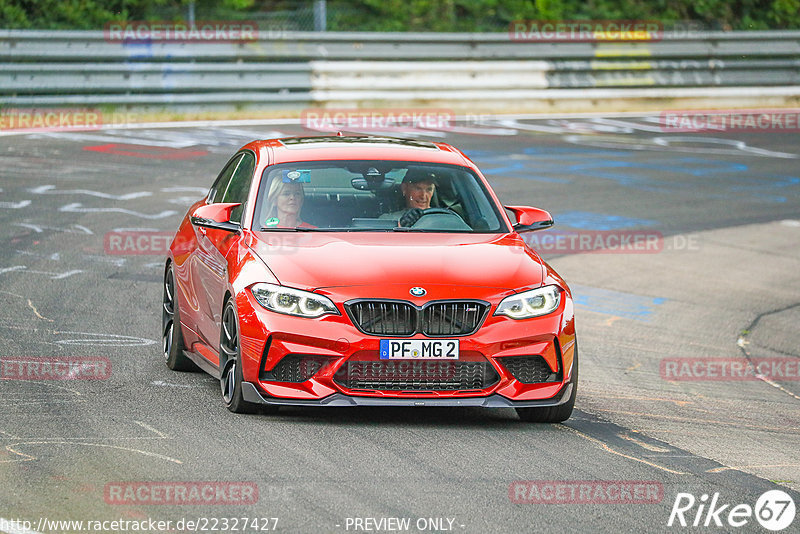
point(202, 363)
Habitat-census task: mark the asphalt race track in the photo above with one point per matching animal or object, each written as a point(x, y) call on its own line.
point(723, 283)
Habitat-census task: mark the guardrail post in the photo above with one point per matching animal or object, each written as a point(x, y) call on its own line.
point(320, 16)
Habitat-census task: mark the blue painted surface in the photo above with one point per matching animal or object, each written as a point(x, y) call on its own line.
point(138, 49)
point(615, 303)
point(587, 220)
point(676, 174)
point(572, 150)
point(766, 187)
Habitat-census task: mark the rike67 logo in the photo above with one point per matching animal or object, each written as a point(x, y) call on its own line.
point(774, 510)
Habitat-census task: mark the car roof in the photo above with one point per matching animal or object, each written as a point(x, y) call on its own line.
point(341, 147)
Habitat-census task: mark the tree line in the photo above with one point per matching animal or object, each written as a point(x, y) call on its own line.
point(403, 15)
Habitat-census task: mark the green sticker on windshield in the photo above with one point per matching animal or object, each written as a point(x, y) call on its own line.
point(299, 175)
point(273, 221)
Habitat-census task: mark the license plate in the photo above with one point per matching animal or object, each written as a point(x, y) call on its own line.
point(419, 349)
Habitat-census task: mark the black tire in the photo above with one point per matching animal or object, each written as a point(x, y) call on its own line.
point(171, 334)
point(554, 414)
point(230, 378)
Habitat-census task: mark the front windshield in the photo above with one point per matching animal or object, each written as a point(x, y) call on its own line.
point(374, 196)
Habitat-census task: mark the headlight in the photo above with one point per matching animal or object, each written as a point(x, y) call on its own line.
point(531, 303)
point(291, 301)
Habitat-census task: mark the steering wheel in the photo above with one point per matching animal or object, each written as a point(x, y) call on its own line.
point(414, 215)
point(443, 211)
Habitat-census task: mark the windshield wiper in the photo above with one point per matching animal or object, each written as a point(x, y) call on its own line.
point(432, 230)
point(286, 229)
point(335, 229)
point(359, 229)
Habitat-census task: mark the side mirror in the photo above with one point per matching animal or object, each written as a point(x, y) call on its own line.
point(530, 219)
point(217, 216)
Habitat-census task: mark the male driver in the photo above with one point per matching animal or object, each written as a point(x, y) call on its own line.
point(417, 188)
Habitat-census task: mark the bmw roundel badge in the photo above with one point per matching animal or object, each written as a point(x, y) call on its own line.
point(417, 291)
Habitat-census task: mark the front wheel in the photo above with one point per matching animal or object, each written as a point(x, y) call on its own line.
point(554, 414)
point(230, 362)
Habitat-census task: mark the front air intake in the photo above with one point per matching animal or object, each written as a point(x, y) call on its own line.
point(434, 319)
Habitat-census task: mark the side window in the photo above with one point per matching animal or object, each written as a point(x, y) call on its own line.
point(239, 186)
point(222, 181)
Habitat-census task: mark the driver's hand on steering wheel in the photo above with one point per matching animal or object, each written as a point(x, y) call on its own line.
point(410, 217)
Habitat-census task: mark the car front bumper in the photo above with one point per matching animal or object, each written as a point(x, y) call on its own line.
point(267, 338)
point(251, 394)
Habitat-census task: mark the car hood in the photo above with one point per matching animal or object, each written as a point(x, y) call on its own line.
point(314, 260)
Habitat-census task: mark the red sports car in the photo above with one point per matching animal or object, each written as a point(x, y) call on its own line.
point(367, 271)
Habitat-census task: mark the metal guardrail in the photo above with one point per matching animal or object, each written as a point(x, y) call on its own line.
point(309, 68)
